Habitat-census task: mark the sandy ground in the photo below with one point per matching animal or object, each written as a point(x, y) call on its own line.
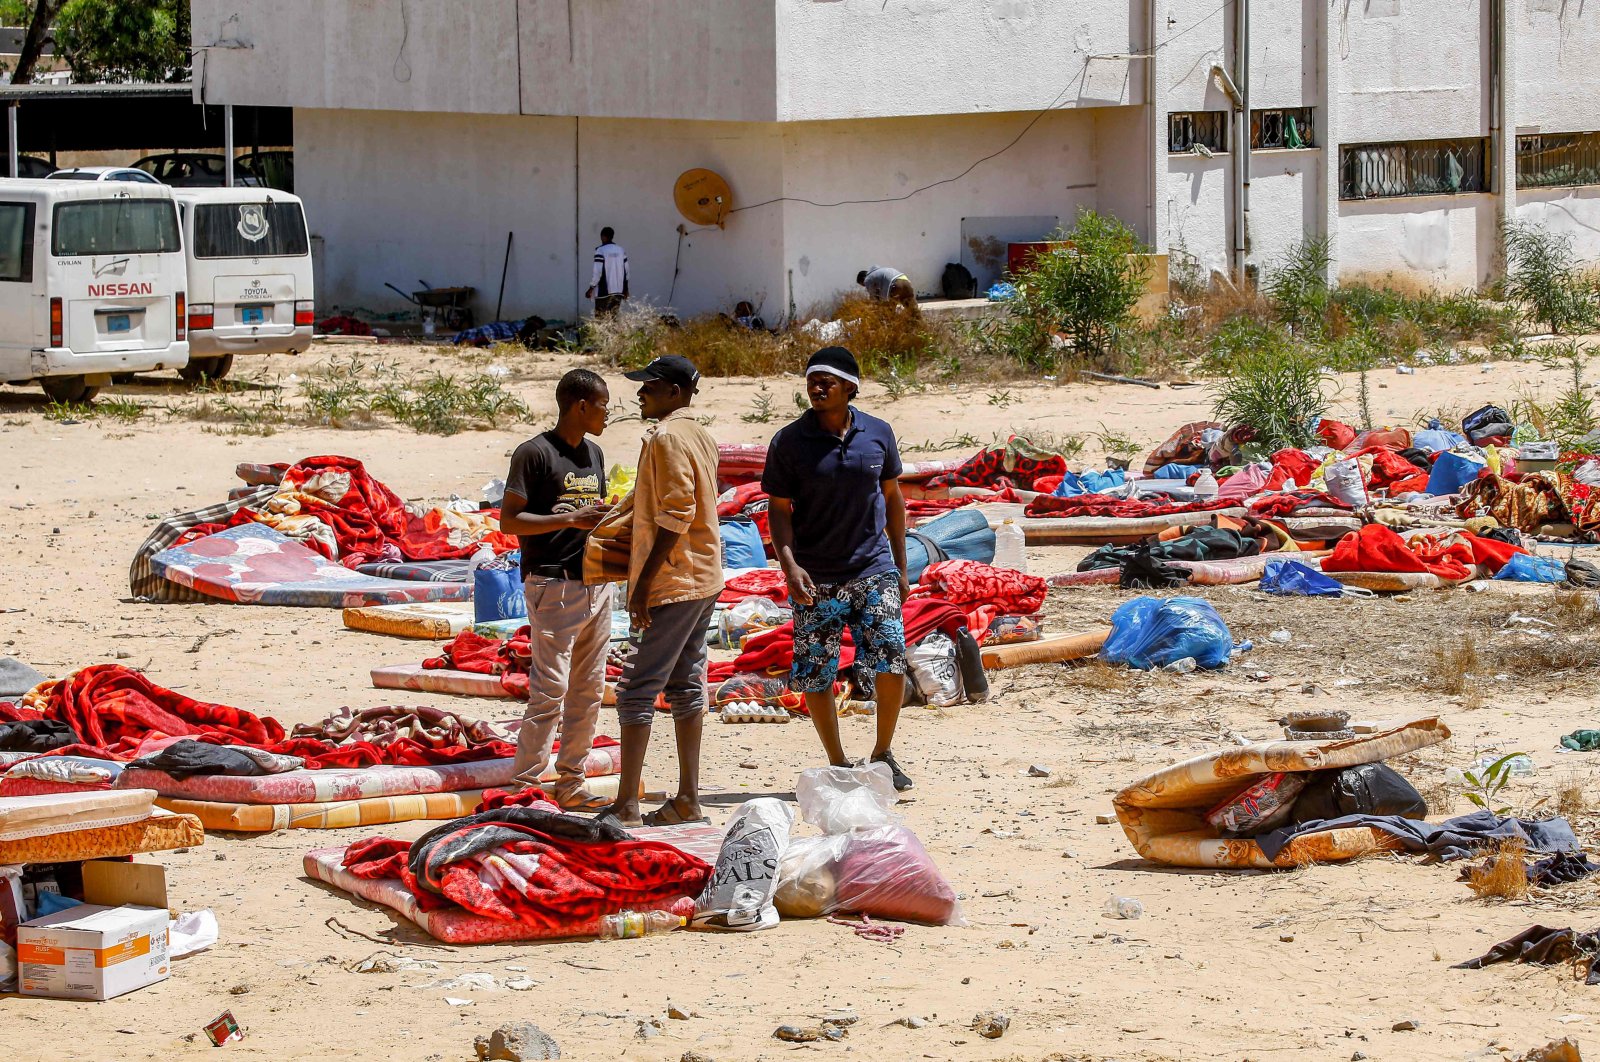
point(1317, 963)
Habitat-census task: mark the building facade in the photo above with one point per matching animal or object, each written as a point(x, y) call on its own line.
point(911, 133)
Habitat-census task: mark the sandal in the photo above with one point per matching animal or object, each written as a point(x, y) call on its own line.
point(668, 815)
point(610, 812)
point(583, 800)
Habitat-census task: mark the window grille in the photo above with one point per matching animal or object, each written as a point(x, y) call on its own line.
point(1414, 167)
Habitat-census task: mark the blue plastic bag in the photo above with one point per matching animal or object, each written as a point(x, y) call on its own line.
point(1090, 482)
point(1003, 292)
point(741, 545)
point(1452, 471)
point(497, 590)
point(1290, 578)
point(1527, 568)
point(1149, 632)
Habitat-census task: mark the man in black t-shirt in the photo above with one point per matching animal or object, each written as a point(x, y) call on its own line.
point(555, 492)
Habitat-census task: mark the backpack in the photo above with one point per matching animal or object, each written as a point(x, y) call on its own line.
point(1489, 422)
point(959, 282)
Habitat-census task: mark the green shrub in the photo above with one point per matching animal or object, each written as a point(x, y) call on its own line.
point(1297, 284)
point(1275, 387)
point(1542, 275)
point(1088, 292)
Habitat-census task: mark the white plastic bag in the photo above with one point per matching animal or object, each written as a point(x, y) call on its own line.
point(739, 894)
point(868, 862)
point(1346, 483)
point(882, 871)
point(935, 670)
point(750, 616)
point(838, 799)
point(191, 932)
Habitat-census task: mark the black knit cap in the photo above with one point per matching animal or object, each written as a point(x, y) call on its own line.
point(836, 360)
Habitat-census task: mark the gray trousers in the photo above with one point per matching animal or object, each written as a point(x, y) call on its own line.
point(670, 660)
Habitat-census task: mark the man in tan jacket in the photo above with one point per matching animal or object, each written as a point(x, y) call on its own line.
point(674, 579)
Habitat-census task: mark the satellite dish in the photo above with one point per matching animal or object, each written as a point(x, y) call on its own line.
point(703, 197)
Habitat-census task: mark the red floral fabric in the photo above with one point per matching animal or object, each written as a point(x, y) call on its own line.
point(982, 591)
point(1120, 508)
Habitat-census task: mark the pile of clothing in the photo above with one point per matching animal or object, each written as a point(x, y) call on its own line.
point(1455, 556)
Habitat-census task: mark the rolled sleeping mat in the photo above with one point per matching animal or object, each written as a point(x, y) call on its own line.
point(1054, 650)
point(961, 534)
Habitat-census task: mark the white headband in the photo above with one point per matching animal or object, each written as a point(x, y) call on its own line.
point(840, 373)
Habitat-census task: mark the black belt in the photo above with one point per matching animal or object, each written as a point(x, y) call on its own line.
point(551, 571)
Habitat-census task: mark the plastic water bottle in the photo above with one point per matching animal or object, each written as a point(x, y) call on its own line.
point(626, 925)
point(1010, 547)
point(1205, 486)
point(1182, 666)
point(1124, 907)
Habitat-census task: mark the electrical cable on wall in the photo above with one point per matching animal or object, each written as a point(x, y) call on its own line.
point(400, 56)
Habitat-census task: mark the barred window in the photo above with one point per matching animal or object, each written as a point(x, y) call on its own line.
point(1413, 167)
point(1557, 159)
point(1285, 127)
point(1197, 131)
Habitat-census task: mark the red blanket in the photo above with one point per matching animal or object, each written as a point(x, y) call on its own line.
point(988, 468)
point(748, 500)
point(519, 859)
point(1121, 508)
point(370, 522)
point(1289, 465)
point(1376, 548)
point(1288, 504)
point(119, 714)
point(982, 591)
point(765, 582)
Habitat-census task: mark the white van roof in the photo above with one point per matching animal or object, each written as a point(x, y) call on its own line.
point(41, 190)
point(236, 194)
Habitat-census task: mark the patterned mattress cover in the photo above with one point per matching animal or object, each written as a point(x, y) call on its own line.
point(348, 783)
point(343, 814)
point(255, 565)
point(23, 817)
point(419, 679)
point(159, 831)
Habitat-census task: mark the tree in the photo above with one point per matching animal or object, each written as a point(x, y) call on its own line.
point(124, 40)
point(39, 14)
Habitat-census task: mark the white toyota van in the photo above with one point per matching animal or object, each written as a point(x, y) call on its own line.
point(249, 262)
point(91, 283)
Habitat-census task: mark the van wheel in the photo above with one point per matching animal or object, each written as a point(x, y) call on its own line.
point(67, 389)
point(201, 369)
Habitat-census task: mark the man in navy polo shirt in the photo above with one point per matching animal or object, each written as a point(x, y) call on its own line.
point(838, 526)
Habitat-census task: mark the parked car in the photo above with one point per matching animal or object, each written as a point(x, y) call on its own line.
point(268, 169)
point(102, 173)
point(184, 169)
point(32, 167)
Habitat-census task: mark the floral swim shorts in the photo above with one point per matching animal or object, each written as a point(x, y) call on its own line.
point(870, 607)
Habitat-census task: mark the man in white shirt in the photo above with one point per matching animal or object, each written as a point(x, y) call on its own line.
point(609, 284)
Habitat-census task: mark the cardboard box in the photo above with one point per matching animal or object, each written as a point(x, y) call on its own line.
point(92, 952)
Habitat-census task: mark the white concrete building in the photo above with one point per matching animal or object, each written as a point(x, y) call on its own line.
point(909, 132)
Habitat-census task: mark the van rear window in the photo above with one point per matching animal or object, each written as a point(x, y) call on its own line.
point(16, 241)
point(115, 226)
point(249, 230)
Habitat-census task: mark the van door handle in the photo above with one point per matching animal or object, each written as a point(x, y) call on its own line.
point(103, 311)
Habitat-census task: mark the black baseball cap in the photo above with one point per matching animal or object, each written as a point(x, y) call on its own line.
point(671, 368)
point(836, 361)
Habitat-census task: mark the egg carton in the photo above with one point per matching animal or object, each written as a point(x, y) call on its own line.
point(753, 712)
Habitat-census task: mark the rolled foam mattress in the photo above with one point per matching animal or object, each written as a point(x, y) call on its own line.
point(1109, 530)
point(416, 619)
point(1164, 813)
point(1234, 572)
point(419, 679)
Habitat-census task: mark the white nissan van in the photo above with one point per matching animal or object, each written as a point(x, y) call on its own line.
point(249, 262)
point(91, 283)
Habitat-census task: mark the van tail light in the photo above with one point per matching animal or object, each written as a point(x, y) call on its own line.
point(183, 318)
point(55, 323)
point(305, 313)
point(200, 316)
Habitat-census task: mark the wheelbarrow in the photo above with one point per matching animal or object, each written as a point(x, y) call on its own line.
point(447, 306)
